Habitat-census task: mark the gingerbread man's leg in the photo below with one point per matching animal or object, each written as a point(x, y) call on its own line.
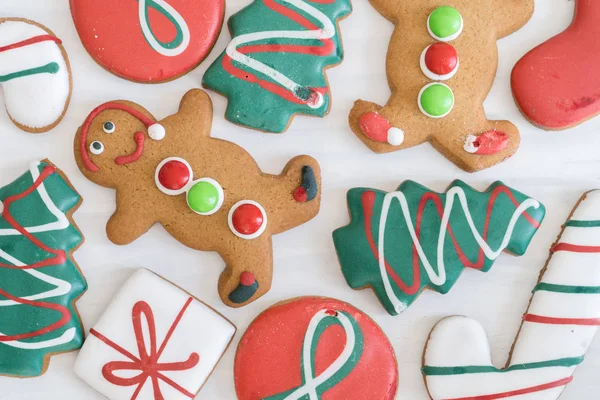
point(130, 220)
point(477, 146)
point(248, 272)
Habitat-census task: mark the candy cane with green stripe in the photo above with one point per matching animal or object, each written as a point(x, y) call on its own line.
point(557, 329)
point(34, 75)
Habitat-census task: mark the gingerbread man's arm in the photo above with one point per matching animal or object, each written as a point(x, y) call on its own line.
point(130, 220)
point(511, 15)
point(195, 114)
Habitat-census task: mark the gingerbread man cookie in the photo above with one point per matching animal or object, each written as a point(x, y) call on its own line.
point(154, 341)
point(556, 85)
point(315, 348)
point(148, 41)
point(402, 242)
point(35, 75)
point(39, 280)
point(209, 194)
point(441, 63)
point(557, 329)
point(274, 66)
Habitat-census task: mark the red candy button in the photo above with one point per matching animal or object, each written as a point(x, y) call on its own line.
point(441, 59)
point(247, 219)
point(174, 175)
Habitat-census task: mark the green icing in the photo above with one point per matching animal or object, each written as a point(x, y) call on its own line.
point(250, 104)
point(582, 224)
point(20, 318)
point(482, 369)
point(341, 372)
point(178, 37)
point(51, 68)
point(361, 267)
point(549, 287)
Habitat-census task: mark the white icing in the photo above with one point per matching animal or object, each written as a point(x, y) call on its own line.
point(470, 144)
point(311, 383)
point(157, 132)
point(433, 76)
point(449, 38)
point(159, 48)
point(461, 341)
point(423, 110)
point(395, 136)
point(61, 287)
point(439, 277)
point(256, 234)
point(201, 330)
point(35, 101)
point(327, 32)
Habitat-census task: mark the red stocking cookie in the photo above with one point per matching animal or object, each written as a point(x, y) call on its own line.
point(441, 63)
point(556, 85)
point(148, 41)
point(314, 348)
point(209, 194)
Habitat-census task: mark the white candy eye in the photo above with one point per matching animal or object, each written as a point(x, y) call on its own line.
point(97, 148)
point(109, 127)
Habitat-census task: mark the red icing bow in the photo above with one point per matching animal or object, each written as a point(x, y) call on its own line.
point(148, 361)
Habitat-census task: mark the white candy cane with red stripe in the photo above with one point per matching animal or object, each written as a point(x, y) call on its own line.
point(557, 329)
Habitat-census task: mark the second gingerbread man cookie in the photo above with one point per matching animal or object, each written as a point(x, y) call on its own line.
point(209, 194)
point(441, 64)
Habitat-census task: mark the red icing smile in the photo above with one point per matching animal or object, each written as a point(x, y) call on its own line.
point(139, 141)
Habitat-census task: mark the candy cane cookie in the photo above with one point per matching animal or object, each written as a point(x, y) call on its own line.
point(35, 75)
point(556, 331)
point(314, 348)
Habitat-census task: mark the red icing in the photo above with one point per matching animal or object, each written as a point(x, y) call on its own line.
point(556, 85)
point(561, 321)
point(33, 40)
point(575, 248)
point(174, 175)
point(111, 32)
point(247, 279)
point(83, 145)
point(491, 142)
point(326, 48)
point(247, 219)
point(441, 58)
point(269, 356)
point(368, 201)
point(532, 389)
point(375, 127)
point(139, 150)
point(59, 257)
point(147, 363)
point(300, 195)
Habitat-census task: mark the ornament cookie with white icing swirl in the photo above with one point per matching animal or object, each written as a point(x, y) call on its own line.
point(441, 64)
point(35, 75)
point(557, 329)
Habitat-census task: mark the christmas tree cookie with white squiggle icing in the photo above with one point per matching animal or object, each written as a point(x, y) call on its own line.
point(274, 66)
point(39, 280)
point(35, 75)
point(557, 329)
point(402, 242)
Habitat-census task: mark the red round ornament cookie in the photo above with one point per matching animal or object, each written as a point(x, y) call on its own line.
point(317, 348)
point(148, 41)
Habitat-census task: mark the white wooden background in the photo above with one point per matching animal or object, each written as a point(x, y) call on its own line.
point(554, 167)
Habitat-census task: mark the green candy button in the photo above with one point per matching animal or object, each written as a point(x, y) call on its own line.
point(436, 100)
point(445, 23)
point(205, 197)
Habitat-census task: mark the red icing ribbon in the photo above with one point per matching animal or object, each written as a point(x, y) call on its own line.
point(148, 361)
point(326, 49)
point(59, 257)
point(490, 142)
point(30, 41)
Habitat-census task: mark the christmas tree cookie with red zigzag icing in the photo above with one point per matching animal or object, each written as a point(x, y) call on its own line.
point(556, 332)
point(402, 242)
point(39, 280)
point(275, 65)
point(35, 75)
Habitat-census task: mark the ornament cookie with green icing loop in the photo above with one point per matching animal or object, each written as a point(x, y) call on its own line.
point(148, 41)
point(35, 75)
point(402, 242)
point(209, 194)
point(39, 280)
point(556, 331)
point(441, 64)
point(274, 66)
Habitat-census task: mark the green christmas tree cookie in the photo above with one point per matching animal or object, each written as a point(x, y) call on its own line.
point(39, 281)
point(274, 66)
point(402, 242)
